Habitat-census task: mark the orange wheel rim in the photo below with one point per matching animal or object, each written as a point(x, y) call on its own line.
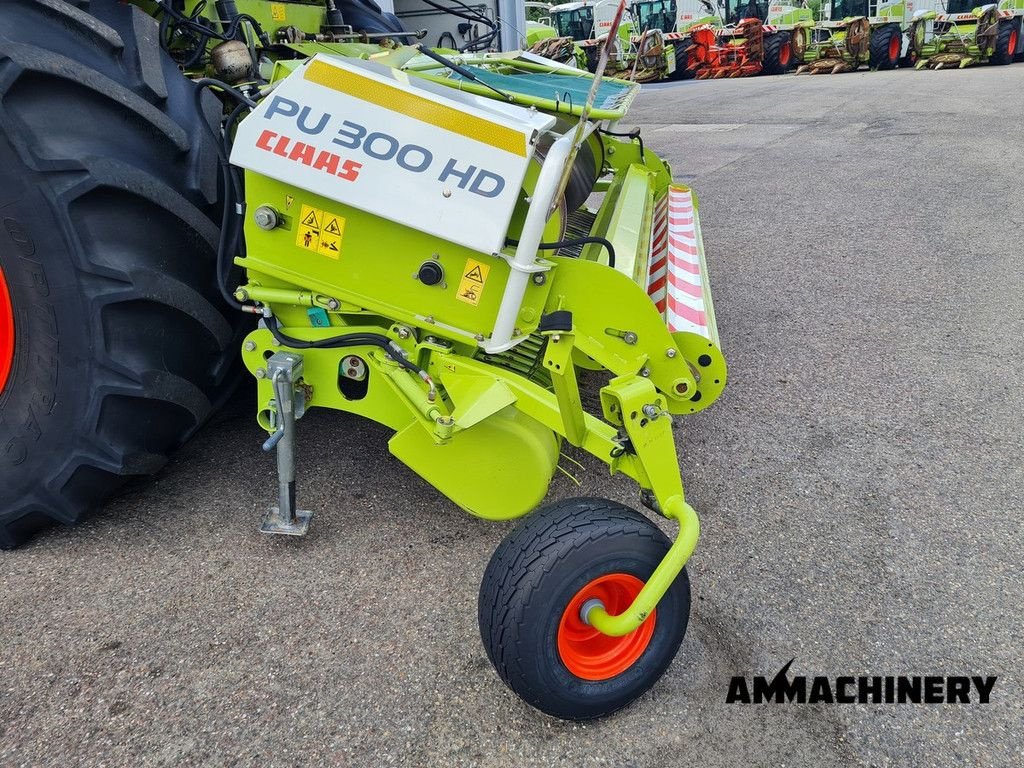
point(1011, 46)
point(784, 53)
point(6, 332)
point(587, 653)
point(894, 49)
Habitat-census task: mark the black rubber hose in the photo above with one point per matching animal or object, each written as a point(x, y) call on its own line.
point(469, 15)
point(230, 228)
point(229, 33)
point(340, 342)
point(574, 241)
point(223, 243)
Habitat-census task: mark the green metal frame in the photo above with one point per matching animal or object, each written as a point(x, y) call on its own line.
point(485, 406)
point(958, 40)
point(510, 412)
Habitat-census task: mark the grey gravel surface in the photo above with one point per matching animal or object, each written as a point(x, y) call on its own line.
point(859, 484)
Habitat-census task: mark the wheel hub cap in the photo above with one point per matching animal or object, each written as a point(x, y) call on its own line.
point(587, 653)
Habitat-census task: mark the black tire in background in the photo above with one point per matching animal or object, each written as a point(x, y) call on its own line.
point(778, 56)
point(545, 563)
point(884, 52)
point(1007, 40)
point(108, 195)
point(680, 47)
point(798, 46)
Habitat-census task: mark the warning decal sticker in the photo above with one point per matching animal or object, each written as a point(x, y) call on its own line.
point(471, 286)
point(320, 231)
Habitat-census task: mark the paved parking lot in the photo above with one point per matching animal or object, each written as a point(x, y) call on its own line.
point(859, 484)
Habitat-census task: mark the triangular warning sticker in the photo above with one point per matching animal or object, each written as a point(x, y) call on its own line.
point(475, 275)
point(332, 227)
point(310, 220)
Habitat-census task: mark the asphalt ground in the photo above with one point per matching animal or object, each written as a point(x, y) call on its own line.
point(859, 485)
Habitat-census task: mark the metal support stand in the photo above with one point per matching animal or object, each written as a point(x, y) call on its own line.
point(285, 369)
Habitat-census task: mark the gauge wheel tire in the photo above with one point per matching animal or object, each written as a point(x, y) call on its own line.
point(886, 45)
point(778, 54)
point(547, 567)
point(1007, 39)
point(115, 341)
point(679, 50)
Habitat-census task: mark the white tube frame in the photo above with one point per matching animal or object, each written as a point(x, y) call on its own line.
point(524, 263)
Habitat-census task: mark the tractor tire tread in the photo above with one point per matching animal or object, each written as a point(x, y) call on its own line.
point(773, 46)
point(132, 210)
point(1002, 54)
point(881, 39)
point(680, 49)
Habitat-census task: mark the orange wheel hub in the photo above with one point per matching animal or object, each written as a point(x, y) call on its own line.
point(6, 332)
point(586, 652)
point(894, 48)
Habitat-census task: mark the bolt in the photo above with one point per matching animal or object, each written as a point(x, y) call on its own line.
point(265, 217)
point(555, 338)
point(479, 337)
point(629, 337)
point(403, 332)
point(430, 340)
point(261, 373)
point(241, 294)
point(540, 278)
point(429, 319)
point(670, 352)
point(250, 346)
point(646, 372)
point(651, 411)
point(333, 304)
point(446, 192)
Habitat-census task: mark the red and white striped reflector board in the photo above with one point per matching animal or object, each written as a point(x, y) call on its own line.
point(675, 283)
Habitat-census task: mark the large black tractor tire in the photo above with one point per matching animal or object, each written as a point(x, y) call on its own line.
point(1007, 40)
point(108, 197)
point(886, 47)
point(679, 50)
point(778, 54)
point(537, 583)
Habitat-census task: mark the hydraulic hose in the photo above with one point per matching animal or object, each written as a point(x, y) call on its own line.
point(575, 241)
point(350, 340)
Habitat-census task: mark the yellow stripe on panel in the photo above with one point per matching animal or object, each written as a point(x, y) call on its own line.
point(417, 107)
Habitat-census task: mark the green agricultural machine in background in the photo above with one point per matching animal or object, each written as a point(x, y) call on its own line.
point(578, 28)
point(545, 39)
point(857, 33)
point(192, 188)
point(657, 50)
point(959, 33)
point(647, 47)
